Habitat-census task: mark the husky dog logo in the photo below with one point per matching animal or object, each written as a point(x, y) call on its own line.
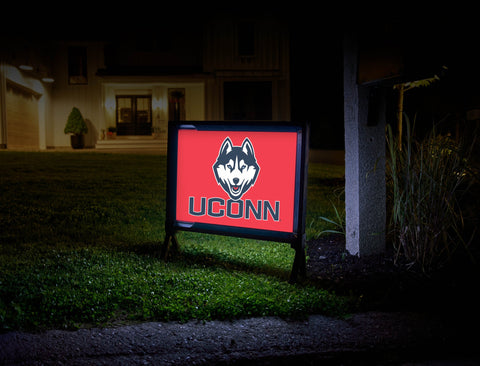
point(236, 168)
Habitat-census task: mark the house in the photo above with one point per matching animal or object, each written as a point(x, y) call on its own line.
point(134, 80)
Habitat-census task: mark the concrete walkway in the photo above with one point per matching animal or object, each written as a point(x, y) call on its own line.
point(364, 339)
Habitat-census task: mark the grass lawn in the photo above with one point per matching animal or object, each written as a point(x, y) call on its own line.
point(80, 235)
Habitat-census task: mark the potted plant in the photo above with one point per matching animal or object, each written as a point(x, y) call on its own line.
point(77, 127)
point(112, 133)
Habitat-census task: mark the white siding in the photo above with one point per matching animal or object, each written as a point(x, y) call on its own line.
point(87, 98)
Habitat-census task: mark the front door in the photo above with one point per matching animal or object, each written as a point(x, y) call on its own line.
point(134, 115)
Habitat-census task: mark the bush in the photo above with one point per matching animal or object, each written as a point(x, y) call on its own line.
point(75, 123)
point(425, 181)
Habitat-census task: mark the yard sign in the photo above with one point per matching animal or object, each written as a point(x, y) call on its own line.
point(238, 179)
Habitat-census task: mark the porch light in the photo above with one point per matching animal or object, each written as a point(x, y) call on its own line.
point(26, 67)
point(48, 79)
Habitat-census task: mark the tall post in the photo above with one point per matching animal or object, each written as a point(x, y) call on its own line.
point(400, 115)
point(365, 192)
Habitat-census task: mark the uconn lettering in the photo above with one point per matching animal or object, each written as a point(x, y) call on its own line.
point(234, 209)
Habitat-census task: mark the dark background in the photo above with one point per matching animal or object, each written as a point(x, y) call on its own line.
point(426, 39)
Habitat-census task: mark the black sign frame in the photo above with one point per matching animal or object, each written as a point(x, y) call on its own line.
point(296, 237)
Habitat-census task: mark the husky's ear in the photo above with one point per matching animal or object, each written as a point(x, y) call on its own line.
point(226, 147)
point(247, 147)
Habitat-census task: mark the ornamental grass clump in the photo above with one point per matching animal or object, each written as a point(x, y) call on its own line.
point(425, 182)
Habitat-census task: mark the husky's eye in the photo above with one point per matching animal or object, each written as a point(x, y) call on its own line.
point(229, 166)
point(243, 166)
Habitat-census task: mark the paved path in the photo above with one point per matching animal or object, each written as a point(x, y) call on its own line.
point(364, 339)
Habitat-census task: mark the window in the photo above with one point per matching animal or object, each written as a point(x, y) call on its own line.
point(77, 65)
point(176, 104)
point(247, 100)
point(134, 115)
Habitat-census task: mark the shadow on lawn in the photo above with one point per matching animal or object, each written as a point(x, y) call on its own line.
point(374, 281)
point(154, 249)
point(212, 260)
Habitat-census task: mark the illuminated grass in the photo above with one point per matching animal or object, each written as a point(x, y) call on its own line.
point(79, 242)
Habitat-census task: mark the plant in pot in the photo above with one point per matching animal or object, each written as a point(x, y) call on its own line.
point(77, 127)
point(112, 133)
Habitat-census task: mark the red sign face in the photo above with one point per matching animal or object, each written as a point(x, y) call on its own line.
point(237, 178)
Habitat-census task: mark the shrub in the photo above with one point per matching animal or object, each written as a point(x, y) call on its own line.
point(75, 123)
point(425, 180)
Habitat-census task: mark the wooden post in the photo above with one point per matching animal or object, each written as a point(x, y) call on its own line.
point(401, 90)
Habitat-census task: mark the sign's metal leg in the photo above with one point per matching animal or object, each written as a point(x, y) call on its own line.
point(299, 267)
point(166, 247)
